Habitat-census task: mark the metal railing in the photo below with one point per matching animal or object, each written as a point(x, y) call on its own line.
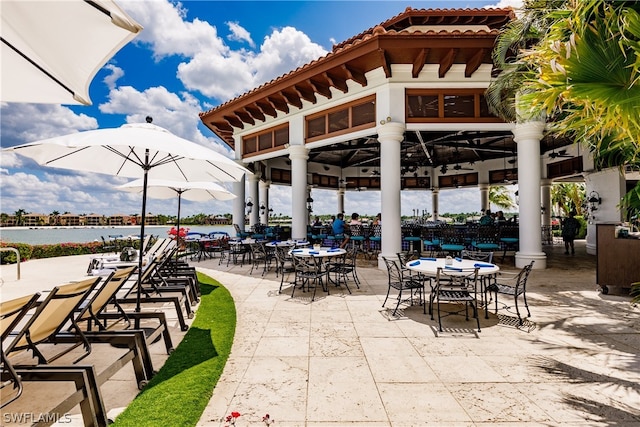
point(17, 258)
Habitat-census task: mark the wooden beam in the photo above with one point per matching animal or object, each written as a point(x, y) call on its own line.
point(222, 126)
point(278, 104)
point(306, 94)
point(321, 88)
point(292, 99)
point(336, 81)
point(245, 117)
point(234, 121)
point(446, 62)
point(474, 62)
point(267, 108)
point(255, 112)
point(385, 64)
point(418, 62)
point(355, 75)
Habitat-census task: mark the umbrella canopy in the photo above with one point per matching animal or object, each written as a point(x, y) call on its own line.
point(166, 189)
point(134, 150)
point(51, 50)
point(131, 149)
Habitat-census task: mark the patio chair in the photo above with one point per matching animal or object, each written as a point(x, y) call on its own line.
point(403, 283)
point(509, 238)
point(95, 313)
point(513, 285)
point(486, 239)
point(344, 266)
point(259, 255)
point(284, 263)
point(485, 279)
point(107, 246)
point(452, 240)
point(11, 313)
point(455, 287)
point(309, 272)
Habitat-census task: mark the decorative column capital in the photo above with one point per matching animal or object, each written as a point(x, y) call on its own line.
point(391, 131)
point(254, 177)
point(298, 152)
point(528, 131)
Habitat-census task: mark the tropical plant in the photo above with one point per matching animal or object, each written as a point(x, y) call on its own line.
point(19, 214)
point(568, 197)
point(577, 63)
point(500, 196)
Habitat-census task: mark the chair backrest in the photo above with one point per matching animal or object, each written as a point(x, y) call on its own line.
point(53, 313)
point(466, 279)
point(393, 271)
point(487, 234)
point(451, 235)
point(105, 293)
point(12, 312)
point(477, 255)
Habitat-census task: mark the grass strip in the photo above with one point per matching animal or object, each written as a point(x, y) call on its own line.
point(178, 394)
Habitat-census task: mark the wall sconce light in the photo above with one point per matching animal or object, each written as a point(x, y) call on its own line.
point(310, 204)
point(594, 200)
point(388, 119)
point(517, 197)
point(249, 205)
point(263, 208)
point(543, 209)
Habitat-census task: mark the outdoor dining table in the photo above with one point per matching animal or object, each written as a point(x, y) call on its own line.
point(287, 243)
point(317, 252)
point(457, 267)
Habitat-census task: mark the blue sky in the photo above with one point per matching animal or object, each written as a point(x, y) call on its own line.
point(190, 57)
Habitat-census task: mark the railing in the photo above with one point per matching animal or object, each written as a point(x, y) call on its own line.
point(17, 258)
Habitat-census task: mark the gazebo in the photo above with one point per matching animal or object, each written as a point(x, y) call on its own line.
point(401, 107)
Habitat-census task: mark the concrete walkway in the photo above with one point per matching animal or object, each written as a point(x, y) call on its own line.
point(345, 360)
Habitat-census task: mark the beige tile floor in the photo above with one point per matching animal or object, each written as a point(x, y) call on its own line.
point(344, 360)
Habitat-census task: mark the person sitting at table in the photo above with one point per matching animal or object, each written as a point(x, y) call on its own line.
point(500, 219)
point(355, 219)
point(486, 219)
point(339, 230)
point(317, 222)
point(378, 219)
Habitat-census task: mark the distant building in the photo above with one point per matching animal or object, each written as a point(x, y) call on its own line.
point(70, 220)
point(93, 220)
point(218, 220)
point(35, 219)
point(120, 219)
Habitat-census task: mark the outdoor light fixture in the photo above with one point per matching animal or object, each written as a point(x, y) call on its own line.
point(263, 208)
point(310, 204)
point(594, 200)
point(249, 205)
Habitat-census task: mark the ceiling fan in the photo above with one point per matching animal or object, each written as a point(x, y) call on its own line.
point(458, 167)
point(559, 153)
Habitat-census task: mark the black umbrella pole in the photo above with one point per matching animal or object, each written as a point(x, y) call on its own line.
point(141, 254)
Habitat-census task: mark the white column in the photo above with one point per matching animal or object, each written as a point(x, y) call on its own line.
point(484, 196)
point(341, 192)
point(610, 185)
point(390, 135)
point(435, 197)
point(545, 198)
point(238, 203)
point(299, 155)
point(528, 136)
point(253, 193)
point(264, 201)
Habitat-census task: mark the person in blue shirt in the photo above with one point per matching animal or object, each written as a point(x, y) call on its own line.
point(486, 219)
point(339, 228)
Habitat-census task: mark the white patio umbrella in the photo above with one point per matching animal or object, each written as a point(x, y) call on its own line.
point(134, 151)
point(51, 50)
point(166, 189)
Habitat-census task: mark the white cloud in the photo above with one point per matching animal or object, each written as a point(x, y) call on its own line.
point(238, 33)
point(111, 79)
point(177, 113)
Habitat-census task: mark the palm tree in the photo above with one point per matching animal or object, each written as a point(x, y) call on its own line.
point(578, 63)
point(500, 196)
point(19, 216)
point(568, 197)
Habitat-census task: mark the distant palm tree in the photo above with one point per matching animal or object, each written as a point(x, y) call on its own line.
point(19, 214)
point(568, 197)
point(500, 196)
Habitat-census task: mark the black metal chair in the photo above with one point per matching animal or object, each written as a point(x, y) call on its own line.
point(403, 283)
point(514, 285)
point(259, 255)
point(309, 272)
point(343, 267)
point(284, 263)
point(456, 287)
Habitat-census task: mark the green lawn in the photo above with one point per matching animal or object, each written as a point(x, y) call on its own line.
point(181, 390)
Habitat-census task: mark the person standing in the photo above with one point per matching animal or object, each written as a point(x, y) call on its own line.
point(570, 228)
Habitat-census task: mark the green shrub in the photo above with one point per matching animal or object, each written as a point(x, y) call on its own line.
point(47, 251)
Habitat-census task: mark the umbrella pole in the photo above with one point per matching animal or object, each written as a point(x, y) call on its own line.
point(175, 271)
point(144, 208)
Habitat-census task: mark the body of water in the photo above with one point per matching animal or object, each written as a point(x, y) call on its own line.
point(51, 235)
